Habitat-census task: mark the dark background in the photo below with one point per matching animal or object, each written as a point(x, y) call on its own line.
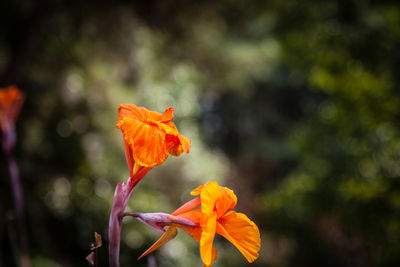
point(295, 105)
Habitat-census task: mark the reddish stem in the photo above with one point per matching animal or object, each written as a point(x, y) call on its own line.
point(121, 197)
point(115, 225)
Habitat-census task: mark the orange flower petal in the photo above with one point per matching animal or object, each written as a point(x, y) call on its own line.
point(146, 142)
point(210, 193)
point(196, 233)
point(143, 114)
point(208, 226)
point(192, 215)
point(214, 257)
point(131, 111)
point(197, 190)
point(151, 135)
point(168, 115)
point(175, 143)
point(188, 206)
point(215, 198)
point(227, 203)
point(156, 116)
point(185, 144)
point(241, 232)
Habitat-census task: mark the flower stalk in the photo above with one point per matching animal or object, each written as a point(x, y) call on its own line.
point(149, 138)
point(121, 197)
point(11, 100)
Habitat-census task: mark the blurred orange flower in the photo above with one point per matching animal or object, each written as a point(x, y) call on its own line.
point(149, 136)
point(214, 216)
point(11, 100)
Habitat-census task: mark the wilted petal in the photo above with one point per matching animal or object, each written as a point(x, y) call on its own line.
point(241, 232)
point(98, 243)
point(151, 136)
point(90, 258)
point(185, 143)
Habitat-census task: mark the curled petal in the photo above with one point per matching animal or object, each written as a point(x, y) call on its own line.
point(185, 145)
point(241, 232)
point(197, 190)
point(129, 111)
point(215, 199)
point(175, 143)
point(227, 203)
point(143, 114)
point(168, 115)
point(156, 116)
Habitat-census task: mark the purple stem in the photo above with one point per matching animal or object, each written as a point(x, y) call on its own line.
point(115, 224)
point(121, 196)
point(8, 145)
point(16, 187)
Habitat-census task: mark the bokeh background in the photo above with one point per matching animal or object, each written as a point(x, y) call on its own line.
point(295, 105)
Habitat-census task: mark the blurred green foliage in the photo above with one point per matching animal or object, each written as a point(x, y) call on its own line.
point(294, 105)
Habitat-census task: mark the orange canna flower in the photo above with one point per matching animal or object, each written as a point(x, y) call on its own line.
point(149, 136)
point(11, 100)
point(214, 216)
